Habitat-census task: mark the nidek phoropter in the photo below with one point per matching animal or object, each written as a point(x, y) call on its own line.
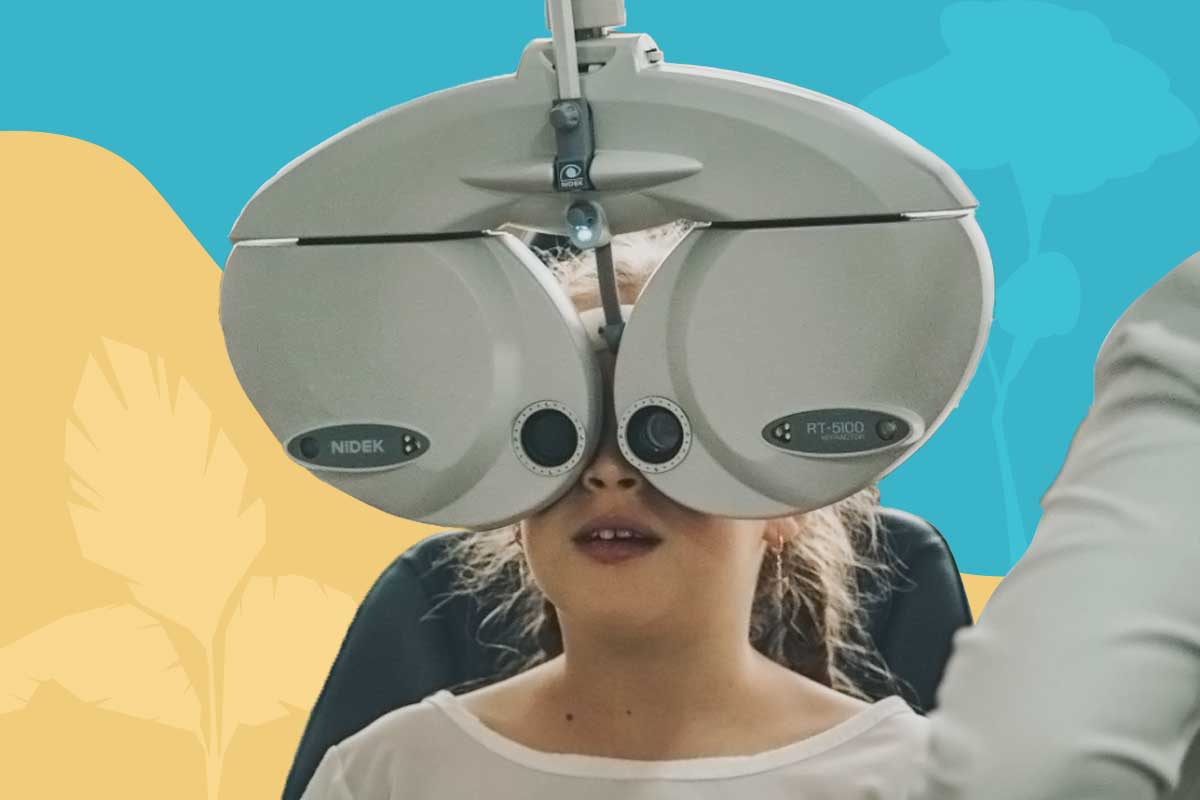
point(809, 334)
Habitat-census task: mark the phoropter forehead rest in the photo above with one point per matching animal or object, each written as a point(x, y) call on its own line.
point(673, 141)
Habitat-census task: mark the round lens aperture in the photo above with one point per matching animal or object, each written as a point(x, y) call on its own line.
point(549, 438)
point(654, 434)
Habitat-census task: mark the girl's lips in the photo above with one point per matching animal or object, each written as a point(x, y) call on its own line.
point(614, 551)
point(615, 522)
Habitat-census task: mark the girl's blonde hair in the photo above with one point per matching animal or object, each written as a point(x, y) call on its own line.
point(813, 621)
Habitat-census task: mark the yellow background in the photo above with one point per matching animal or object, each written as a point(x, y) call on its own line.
point(174, 588)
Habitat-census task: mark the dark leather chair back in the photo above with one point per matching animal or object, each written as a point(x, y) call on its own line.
point(395, 653)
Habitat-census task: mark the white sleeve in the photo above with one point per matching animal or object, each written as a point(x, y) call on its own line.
point(1082, 678)
point(328, 782)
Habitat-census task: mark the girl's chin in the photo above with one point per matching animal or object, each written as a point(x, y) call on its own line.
point(633, 619)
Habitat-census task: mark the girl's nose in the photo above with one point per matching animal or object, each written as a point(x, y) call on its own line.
point(610, 471)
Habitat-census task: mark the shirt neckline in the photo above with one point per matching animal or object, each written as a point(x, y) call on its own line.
point(702, 768)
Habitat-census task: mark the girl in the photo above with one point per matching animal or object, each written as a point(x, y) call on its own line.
point(683, 655)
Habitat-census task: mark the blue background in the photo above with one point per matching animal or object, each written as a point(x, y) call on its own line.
point(1074, 123)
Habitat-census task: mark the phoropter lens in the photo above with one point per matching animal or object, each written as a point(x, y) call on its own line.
point(549, 438)
point(654, 434)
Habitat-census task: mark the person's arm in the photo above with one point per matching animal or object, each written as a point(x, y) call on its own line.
point(329, 781)
point(1082, 678)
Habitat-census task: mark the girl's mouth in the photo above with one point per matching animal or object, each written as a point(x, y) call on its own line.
point(611, 547)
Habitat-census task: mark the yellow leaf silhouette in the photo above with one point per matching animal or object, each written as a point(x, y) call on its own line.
point(163, 503)
point(279, 646)
point(116, 658)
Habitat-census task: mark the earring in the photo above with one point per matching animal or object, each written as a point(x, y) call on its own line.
point(779, 575)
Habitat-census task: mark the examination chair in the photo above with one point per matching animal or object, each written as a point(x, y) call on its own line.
point(393, 655)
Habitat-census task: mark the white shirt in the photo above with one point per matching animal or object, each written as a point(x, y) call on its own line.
point(1082, 677)
point(438, 750)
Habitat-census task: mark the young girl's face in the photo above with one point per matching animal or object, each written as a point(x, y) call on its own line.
point(698, 579)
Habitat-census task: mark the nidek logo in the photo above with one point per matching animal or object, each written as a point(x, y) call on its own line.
point(342, 446)
point(570, 176)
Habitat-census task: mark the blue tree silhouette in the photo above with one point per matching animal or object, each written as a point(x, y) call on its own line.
point(1047, 92)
